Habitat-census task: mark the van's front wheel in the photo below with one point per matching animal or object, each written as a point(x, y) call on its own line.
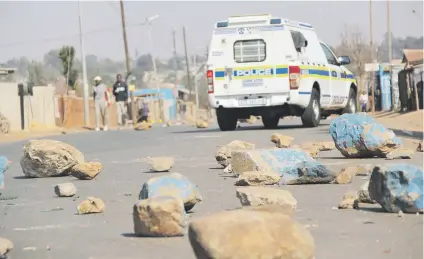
point(226, 121)
point(312, 115)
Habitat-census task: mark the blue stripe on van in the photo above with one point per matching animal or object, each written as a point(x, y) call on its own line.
point(318, 72)
point(282, 70)
point(219, 73)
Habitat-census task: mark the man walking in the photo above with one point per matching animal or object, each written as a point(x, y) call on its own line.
point(120, 91)
point(100, 102)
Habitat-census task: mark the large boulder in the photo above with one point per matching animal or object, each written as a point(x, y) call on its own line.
point(250, 234)
point(159, 217)
point(294, 165)
point(173, 185)
point(397, 187)
point(4, 165)
point(47, 158)
point(223, 154)
point(359, 135)
point(259, 196)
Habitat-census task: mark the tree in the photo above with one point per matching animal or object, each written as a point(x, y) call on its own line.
point(67, 55)
point(35, 73)
point(354, 45)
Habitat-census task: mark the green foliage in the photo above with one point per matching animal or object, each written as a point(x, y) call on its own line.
point(67, 55)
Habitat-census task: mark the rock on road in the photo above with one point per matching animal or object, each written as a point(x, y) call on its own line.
point(33, 219)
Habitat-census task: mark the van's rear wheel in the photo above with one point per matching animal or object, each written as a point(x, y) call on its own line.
point(270, 122)
point(312, 114)
point(351, 102)
point(226, 121)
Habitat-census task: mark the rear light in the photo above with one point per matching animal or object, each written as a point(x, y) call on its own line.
point(294, 77)
point(209, 76)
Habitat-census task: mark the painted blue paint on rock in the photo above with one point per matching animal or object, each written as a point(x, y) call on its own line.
point(174, 185)
point(4, 165)
point(359, 135)
point(296, 166)
point(397, 187)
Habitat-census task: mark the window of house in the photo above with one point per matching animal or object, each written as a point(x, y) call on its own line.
point(249, 51)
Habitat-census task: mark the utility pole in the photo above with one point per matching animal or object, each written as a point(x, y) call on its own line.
point(187, 61)
point(389, 32)
point(128, 63)
point(372, 58)
point(84, 72)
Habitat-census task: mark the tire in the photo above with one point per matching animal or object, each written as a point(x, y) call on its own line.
point(312, 114)
point(270, 122)
point(226, 121)
point(351, 103)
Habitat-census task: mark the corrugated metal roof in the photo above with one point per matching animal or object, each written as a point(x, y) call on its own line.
point(414, 56)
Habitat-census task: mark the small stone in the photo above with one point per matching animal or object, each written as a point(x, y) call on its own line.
point(86, 171)
point(400, 214)
point(202, 124)
point(159, 217)
point(400, 153)
point(91, 205)
point(161, 164)
point(349, 201)
point(420, 147)
point(247, 234)
point(346, 175)
point(142, 126)
point(258, 196)
point(281, 141)
point(364, 195)
point(5, 247)
point(257, 178)
point(223, 154)
point(65, 190)
point(228, 169)
point(364, 170)
point(326, 146)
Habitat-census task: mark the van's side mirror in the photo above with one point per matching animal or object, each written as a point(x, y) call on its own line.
point(343, 60)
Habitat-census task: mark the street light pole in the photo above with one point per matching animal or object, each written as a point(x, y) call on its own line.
point(84, 72)
point(372, 58)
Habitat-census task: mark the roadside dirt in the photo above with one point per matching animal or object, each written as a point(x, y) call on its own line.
point(411, 121)
point(36, 133)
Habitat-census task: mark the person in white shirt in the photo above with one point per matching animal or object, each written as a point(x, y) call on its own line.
point(363, 99)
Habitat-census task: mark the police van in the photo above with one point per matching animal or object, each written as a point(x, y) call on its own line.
point(272, 67)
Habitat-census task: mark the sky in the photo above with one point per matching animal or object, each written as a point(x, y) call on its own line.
point(33, 28)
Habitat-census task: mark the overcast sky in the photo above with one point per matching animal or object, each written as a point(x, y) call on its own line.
point(25, 26)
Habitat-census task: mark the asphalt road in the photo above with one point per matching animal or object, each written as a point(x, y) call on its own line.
point(40, 233)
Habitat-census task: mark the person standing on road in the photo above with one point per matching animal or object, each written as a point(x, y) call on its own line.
point(363, 99)
point(100, 96)
point(120, 91)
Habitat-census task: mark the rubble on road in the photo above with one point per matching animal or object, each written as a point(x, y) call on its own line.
point(400, 153)
point(202, 123)
point(48, 158)
point(258, 196)
point(143, 126)
point(364, 169)
point(173, 185)
point(86, 171)
point(223, 154)
point(228, 169)
point(281, 141)
point(397, 187)
point(360, 136)
point(345, 176)
point(5, 247)
point(91, 205)
point(257, 178)
point(320, 146)
point(313, 151)
point(349, 201)
point(159, 217)
point(250, 234)
point(420, 147)
point(65, 190)
point(294, 165)
point(285, 209)
point(161, 164)
point(4, 165)
point(364, 195)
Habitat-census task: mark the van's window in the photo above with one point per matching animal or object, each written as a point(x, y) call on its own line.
point(299, 40)
point(249, 51)
point(329, 55)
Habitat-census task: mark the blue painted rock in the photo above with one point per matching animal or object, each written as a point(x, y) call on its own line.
point(294, 165)
point(173, 185)
point(359, 135)
point(4, 165)
point(48, 158)
point(159, 217)
point(397, 187)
